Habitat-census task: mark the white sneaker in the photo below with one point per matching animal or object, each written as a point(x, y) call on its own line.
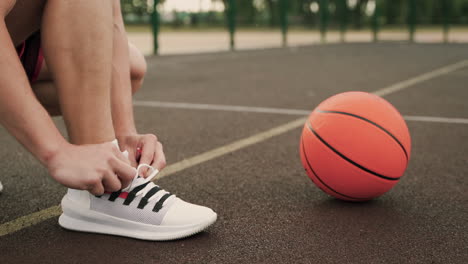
point(1, 187)
point(142, 210)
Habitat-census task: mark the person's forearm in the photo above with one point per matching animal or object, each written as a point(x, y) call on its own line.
point(20, 112)
point(122, 108)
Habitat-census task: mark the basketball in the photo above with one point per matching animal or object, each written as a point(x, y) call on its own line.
point(355, 146)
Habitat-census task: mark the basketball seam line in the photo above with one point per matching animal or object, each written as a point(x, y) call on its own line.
point(370, 122)
point(347, 159)
point(316, 175)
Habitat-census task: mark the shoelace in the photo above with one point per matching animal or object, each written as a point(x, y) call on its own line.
point(145, 188)
point(153, 174)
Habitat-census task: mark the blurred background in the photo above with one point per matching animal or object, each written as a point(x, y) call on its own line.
point(193, 26)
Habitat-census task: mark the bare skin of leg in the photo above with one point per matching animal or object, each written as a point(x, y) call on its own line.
point(83, 84)
point(83, 89)
point(138, 68)
point(46, 91)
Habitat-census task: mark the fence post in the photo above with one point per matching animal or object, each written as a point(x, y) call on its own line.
point(155, 26)
point(375, 21)
point(446, 19)
point(284, 21)
point(412, 19)
point(343, 15)
point(231, 20)
point(323, 10)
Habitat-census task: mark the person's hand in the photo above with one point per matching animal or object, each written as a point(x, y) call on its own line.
point(96, 168)
point(150, 148)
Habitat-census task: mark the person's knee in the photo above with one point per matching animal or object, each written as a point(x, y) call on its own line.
point(138, 68)
point(5, 7)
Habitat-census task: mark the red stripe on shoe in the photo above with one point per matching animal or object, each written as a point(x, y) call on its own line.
point(123, 195)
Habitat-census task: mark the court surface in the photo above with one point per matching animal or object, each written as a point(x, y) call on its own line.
point(230, 124)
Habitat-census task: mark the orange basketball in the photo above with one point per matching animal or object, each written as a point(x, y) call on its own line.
point(355, 146)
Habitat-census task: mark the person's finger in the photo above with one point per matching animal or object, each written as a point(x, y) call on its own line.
point(138, 154)
point(111, 183)
point(97, 189)
point(147, 153)
point(121, 156)
point(132, 158)
point(159, 161)
point(124, 171)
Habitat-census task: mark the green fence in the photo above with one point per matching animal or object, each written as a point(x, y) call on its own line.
point(325, 15)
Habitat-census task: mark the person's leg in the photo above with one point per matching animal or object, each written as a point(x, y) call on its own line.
point(81, 66)
point(46, 92)
point(137, 67)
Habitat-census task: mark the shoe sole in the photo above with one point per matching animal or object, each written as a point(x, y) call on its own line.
point(77, 218)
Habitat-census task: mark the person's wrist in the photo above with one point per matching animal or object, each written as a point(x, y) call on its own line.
point(126, 137)
point(125, 134)
point(125, 131)
point(123, 122)
point(51, 151)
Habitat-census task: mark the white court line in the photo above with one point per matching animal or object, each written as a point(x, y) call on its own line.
point(37, 217)
point(236, 145)
point(422, 78)
point(282, 111)
point(434, 119)
point(230, 108)
point(29, 220)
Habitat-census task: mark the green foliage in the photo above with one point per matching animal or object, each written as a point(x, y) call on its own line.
point(351, 13)
point(135, 11)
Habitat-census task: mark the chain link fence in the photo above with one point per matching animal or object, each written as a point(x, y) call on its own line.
point(323, 16)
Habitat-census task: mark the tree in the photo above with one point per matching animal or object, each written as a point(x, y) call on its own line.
point(272, 7)
point(392, 11)
point(358, 14)
point(246, 12)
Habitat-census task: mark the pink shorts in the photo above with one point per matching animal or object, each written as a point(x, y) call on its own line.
point(30, 54)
